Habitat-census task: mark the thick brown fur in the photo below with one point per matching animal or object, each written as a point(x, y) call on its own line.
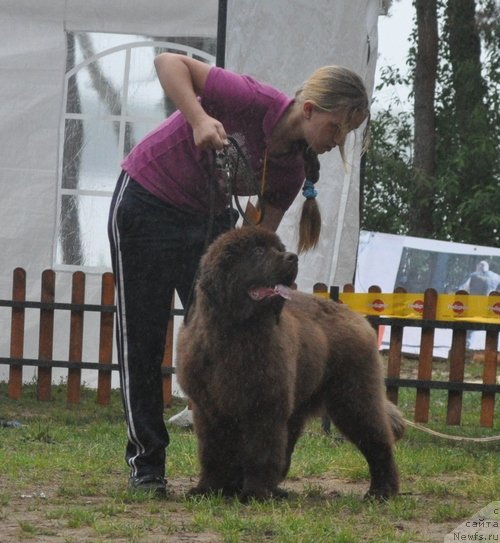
point(255, 370)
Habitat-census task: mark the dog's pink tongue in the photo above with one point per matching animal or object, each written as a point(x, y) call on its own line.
point(267, 292)
point(282, 291)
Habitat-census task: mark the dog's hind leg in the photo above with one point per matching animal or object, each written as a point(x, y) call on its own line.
point(364, 422)
point(295, 427)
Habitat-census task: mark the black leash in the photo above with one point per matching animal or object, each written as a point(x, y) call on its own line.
point(233, 165)
point(237, 169)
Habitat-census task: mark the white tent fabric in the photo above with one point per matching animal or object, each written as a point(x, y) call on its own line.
point(282, 43)
point(149, 17)
point(32, 66)
point(32, 69)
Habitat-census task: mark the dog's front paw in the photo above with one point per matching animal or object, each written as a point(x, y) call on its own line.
point(262, 494)
point(382, 494)
point(199, 491)
point(226, 492)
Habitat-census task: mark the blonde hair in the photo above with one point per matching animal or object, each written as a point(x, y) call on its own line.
point(331, 89)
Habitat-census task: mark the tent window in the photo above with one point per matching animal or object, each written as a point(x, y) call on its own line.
point(112, 99)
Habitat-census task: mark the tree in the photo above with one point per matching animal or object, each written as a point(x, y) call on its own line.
point(468, 135)
point(456, 199)
point(424, 157)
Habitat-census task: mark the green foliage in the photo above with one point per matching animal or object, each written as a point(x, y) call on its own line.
point(387, 172)
point(466, 183)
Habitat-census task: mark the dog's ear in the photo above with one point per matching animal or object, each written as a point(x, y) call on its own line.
point(221, 286)
point(215, 269)
point(208, 284)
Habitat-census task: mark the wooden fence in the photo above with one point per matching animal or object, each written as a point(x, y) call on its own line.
point(74, 363)
point(45, 362)
point(455, 385)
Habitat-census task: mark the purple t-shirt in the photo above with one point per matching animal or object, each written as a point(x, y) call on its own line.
point(167, 163)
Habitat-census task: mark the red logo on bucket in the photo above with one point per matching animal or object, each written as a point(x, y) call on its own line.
point(418, 306)
point(458, 307)
point(496, 308)
point(378, 305)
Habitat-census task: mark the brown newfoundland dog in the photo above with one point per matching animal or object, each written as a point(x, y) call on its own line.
point(257, 359)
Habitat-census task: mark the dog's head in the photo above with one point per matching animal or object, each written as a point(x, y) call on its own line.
point(247, 272)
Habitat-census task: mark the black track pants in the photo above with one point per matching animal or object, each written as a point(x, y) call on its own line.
point(155, 250)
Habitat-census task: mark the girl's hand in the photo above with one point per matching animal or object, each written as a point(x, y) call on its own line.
point(209, 134)
point(183, 79)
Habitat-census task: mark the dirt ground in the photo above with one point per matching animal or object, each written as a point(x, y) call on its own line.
point(34, 508)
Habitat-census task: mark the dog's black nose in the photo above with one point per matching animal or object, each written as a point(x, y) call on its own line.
point(291, 257)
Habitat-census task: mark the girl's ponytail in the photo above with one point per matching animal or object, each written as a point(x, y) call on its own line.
point(310, 218)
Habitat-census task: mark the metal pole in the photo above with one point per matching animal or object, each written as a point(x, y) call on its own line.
point(220, 57)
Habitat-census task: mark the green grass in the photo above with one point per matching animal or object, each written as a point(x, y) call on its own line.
point(63, 478)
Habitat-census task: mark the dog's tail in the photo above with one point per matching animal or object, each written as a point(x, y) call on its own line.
point(396, 420)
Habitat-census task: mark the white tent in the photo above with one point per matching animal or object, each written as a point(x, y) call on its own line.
point(280, 42)
point(284, 44)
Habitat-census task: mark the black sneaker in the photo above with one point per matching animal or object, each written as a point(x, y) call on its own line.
point(154, 484)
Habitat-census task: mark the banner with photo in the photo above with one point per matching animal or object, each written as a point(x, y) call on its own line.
point(416, 264)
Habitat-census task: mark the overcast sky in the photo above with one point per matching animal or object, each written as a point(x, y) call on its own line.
point(393, 33)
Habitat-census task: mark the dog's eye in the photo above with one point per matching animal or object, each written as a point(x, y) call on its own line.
point(258, 251)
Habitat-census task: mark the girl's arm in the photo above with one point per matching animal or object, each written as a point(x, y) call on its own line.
point(272, 215)
point(183, 80)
